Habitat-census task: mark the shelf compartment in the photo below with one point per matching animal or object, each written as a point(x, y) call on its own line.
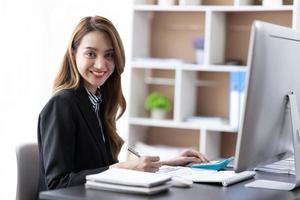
point(228, 144)
point(213, 100)
point(232, 30)
point(213, 144)
point(167, 35)
point(239, 28)
point(173, 33)
point(180, 137)
point(218, 2)
point(161, 136)
point(145, 81)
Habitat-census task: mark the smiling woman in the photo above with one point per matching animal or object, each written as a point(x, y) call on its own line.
point(77, 127)
point(95, 59)
point(77, 133)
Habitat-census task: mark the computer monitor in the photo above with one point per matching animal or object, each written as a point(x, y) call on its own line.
point(265, 134)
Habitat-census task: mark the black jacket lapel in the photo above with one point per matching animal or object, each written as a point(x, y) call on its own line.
point(91, 120)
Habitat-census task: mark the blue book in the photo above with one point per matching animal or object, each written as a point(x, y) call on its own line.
point(242, 81)
point(236, 97)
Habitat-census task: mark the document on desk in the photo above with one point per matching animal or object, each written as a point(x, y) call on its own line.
point(124, 180)
point(225, 178)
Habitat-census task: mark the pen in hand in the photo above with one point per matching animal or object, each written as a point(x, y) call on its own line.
point(131, 150)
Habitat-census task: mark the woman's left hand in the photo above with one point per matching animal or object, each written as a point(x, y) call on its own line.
point(186, 157)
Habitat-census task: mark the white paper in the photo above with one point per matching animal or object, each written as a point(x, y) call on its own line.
point(225, 178)
point(129, 177)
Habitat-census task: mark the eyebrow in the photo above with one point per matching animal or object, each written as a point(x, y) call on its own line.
point(95, 49)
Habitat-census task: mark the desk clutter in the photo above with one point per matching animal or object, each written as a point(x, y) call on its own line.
point(131, 181)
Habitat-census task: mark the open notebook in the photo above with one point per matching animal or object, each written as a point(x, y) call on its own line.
point(225, 178)
point(124, 180)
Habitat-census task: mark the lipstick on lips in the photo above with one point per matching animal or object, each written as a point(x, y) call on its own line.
point(98, 73)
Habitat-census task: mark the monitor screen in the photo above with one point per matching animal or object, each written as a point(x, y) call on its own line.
point(265, 133)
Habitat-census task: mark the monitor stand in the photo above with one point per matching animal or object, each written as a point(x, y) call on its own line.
point(278, 185)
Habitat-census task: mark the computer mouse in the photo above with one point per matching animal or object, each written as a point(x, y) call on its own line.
point(181, 182)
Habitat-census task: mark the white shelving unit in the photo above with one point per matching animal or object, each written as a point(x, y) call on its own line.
point(167, 32)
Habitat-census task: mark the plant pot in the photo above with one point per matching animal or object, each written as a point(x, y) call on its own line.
point(158, 114)
point(166, 2)
point(199, 56)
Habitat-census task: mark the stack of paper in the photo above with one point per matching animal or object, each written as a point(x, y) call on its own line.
point(130, 181)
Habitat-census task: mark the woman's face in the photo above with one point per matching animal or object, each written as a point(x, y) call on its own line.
point(95, 59)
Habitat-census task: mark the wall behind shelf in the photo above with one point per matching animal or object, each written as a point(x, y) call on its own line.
point(173, 137)
point(173, 33)
point(239, 26)
point(218, 2)
point(213, 100)
point(228, 143)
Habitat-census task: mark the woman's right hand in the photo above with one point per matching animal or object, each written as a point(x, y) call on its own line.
point(143, 163)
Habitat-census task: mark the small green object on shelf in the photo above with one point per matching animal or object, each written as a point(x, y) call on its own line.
point(157, 100)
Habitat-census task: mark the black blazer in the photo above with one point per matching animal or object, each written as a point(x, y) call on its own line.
point(70, 141)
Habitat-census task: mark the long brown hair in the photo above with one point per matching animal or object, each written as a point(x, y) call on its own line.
point(68, 76)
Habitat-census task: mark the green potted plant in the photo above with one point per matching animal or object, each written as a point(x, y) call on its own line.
point(158, 105)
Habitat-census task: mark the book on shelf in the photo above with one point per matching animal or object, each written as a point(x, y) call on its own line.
point(130, 181)
point(236, 96)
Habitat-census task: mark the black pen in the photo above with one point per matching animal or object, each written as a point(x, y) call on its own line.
point(131, 150)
